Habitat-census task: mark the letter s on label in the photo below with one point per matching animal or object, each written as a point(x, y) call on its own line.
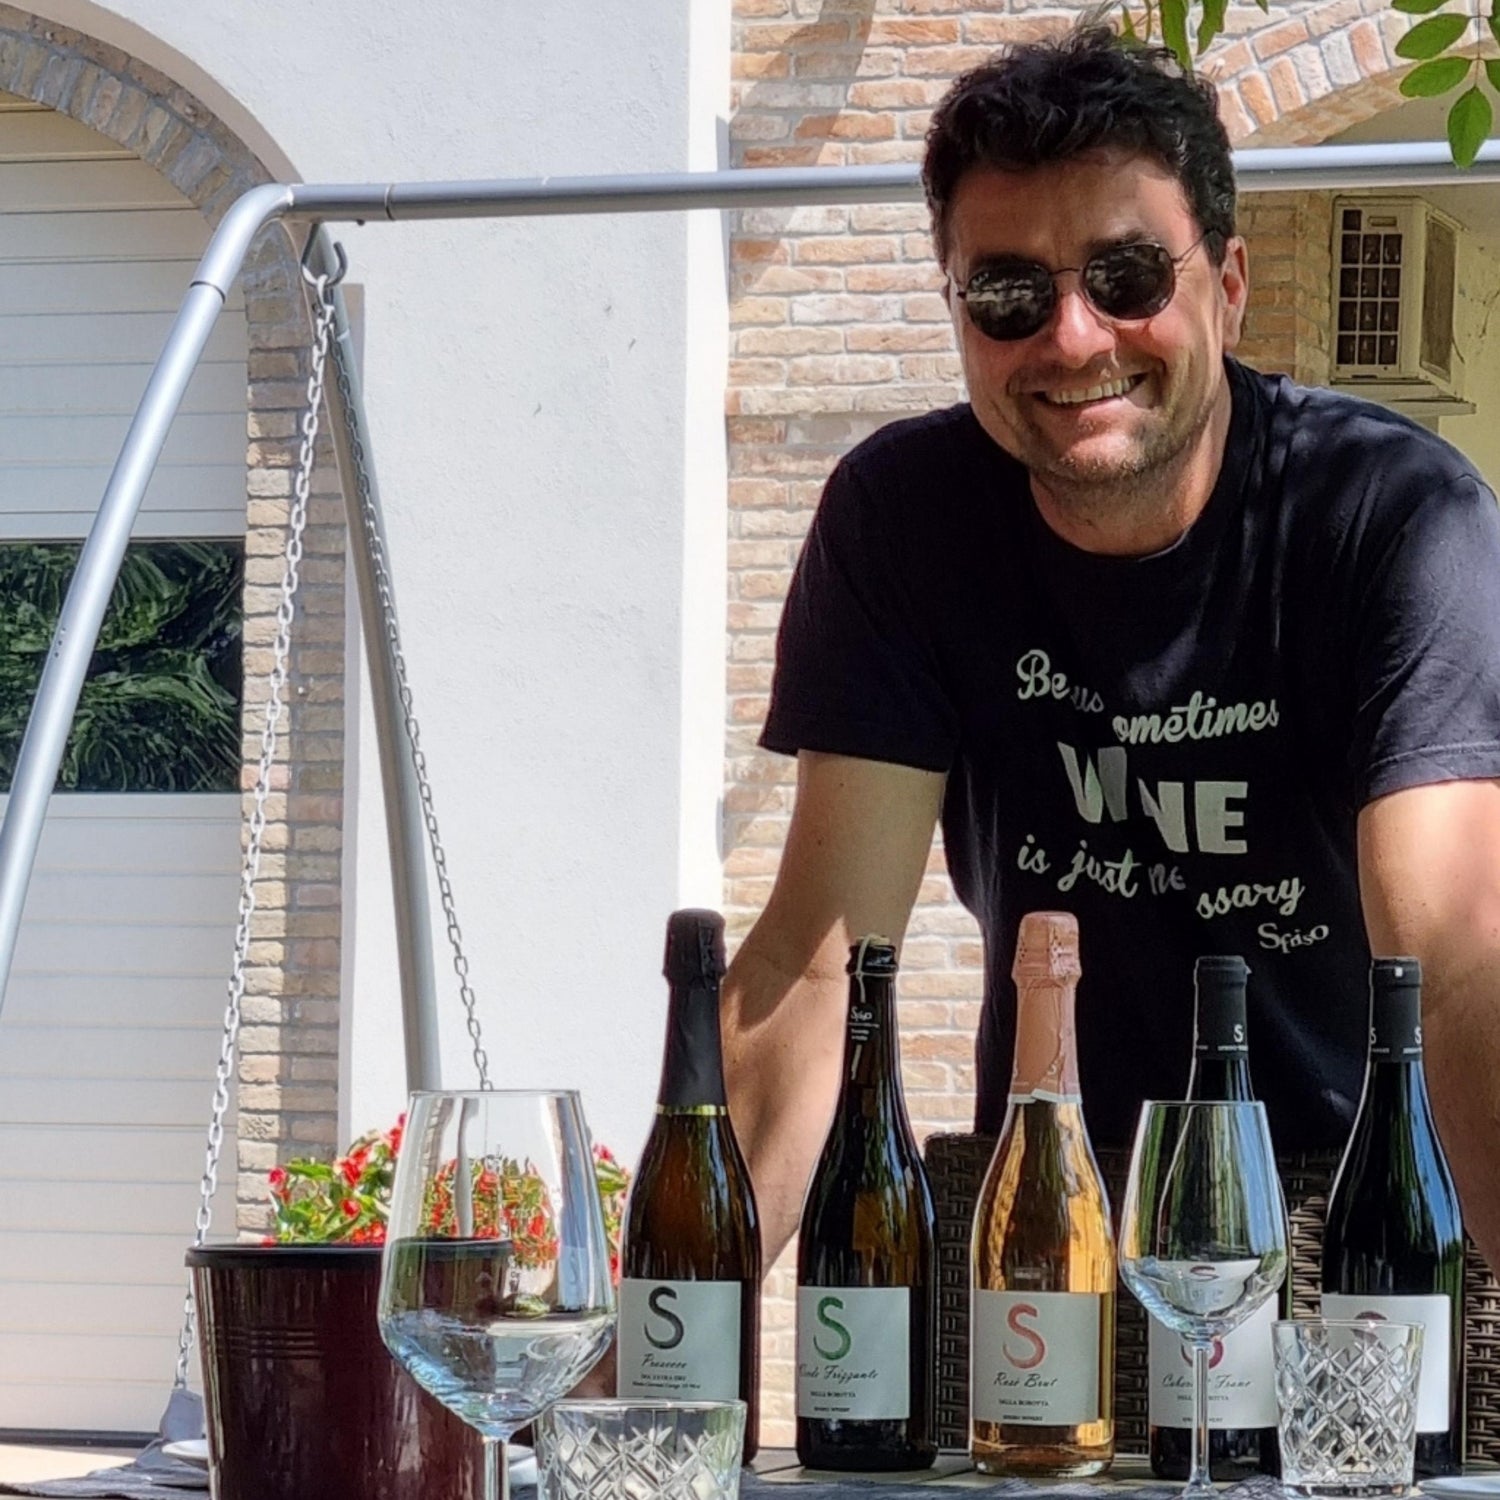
point(675, 1330)
point(841, 1334)
point(1034, 1347)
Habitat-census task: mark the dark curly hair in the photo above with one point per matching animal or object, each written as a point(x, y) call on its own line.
point(1043, 102)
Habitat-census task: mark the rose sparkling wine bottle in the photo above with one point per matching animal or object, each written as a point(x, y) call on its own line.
point(867, 1257)
point(1042, 1317)
point(689, 1324)
point(1394, 1243)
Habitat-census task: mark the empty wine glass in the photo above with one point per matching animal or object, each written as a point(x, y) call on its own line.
point(1203, 1238)
point(495, 1290)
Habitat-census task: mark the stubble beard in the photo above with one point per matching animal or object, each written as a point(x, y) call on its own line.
point(1138, 483)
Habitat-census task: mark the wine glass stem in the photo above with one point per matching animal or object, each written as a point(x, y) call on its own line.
point(496, 1470)
point(1201, 1479)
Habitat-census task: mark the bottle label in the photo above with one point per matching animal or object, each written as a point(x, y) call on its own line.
point(854, 1352)
point(1036, 1358)
point(1435, 1316)
point(1241, 1375)
point(679, 1340)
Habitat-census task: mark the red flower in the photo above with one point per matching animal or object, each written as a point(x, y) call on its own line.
point(349, 1208)
point(277, 1178)
point(349, 1169)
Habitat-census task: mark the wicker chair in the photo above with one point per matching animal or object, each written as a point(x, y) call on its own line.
point(956, 1165)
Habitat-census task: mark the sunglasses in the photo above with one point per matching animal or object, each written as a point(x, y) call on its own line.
point(1013, 299)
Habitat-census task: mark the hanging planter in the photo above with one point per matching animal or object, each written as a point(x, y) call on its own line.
point(302, 1397)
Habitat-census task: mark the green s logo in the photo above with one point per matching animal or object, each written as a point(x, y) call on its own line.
point(845, 1343)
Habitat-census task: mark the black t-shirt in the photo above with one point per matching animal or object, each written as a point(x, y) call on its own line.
point(1173, 747)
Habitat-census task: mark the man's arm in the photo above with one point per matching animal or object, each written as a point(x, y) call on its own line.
point(1429, 876)
point(854, 858)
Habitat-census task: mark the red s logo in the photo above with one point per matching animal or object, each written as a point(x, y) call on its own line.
point(1033, 1355)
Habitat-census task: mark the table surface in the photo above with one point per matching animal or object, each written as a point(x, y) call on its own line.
point(955, 1470)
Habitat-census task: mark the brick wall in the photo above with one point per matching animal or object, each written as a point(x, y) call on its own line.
point(838, 326)
point(287, 1083)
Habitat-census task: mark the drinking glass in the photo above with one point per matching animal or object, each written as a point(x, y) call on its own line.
point(1203, 1238)
point(495, 1291)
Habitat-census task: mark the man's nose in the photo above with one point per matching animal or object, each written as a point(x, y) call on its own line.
point(1078, 332)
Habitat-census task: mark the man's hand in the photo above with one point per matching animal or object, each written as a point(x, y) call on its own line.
point(854, 858)
point(1429, 878)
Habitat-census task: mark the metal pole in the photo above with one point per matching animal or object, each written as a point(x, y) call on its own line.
point(98, 567)
point(1385, 165)
point(403, 810)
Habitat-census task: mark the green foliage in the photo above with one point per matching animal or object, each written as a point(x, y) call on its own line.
point(1469, 124)
point(159, 709)
point(1444, 43)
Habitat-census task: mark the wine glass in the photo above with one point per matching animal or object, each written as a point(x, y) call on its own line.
point(495, 1289)
point(1203, 1238)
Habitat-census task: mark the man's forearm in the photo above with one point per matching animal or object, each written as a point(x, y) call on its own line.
point(783, 1039)
point(1461, 1039)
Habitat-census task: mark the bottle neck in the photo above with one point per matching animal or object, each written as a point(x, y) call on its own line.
point(1046, 1065)
point(1395, 1079)
point(870, 1032)
point(1221, 1057)
point(692, 1070)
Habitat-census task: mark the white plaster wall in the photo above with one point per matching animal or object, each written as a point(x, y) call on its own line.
point(1478, 434)
point(546, 411)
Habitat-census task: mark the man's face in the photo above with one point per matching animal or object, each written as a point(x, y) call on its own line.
point(1089, 402)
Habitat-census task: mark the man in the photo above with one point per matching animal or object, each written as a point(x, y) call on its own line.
point(1209, 659)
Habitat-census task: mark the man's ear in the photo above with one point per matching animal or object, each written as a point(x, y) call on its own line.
point(1234, 282)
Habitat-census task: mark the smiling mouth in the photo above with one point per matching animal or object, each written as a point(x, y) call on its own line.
point(1087, 397)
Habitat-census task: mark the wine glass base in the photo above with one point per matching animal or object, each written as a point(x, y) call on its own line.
point(1192, 1491)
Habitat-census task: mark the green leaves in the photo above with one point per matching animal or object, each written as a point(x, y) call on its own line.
point(1469, 124)
point(1434, 35)
point(1174, 30)
point(1444, 42)
point(1429, 79)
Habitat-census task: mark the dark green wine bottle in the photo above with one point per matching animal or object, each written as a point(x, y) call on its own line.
point(1242, 1435)
point(866, 1267)
point(1394, 1243)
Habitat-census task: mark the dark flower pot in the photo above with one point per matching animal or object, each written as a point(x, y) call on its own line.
point(304, 1401)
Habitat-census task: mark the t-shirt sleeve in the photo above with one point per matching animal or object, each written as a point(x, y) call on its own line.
point(1427, 646)
point(856, 672)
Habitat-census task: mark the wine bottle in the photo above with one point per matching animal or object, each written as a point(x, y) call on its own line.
point(1043, 1311)
point(690, 1258)
point(1241, 1379)
point(1394, 1243)
point(866, 1257)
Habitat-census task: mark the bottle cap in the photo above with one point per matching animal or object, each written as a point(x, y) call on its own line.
point(1047, 947)
point(1396, 974)
point(874, 956)
point(1221, 968)
point(695, 946)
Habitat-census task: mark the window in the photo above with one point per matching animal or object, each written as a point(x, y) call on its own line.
point(160, 708)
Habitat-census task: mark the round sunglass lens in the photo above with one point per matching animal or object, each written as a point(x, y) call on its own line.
point(1130, 281)
point(1009, 302)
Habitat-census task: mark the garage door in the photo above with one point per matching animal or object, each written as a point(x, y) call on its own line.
point(109, 1035)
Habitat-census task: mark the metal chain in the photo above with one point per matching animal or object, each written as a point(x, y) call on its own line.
point(365, 494)
point(250, 868)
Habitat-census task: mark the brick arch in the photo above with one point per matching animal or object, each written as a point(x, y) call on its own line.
point(288, 1066)
point(1299, 79)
